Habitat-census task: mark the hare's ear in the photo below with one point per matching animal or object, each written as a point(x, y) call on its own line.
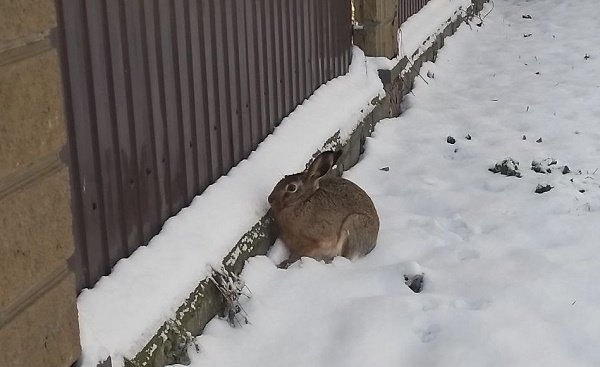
point(322, 164)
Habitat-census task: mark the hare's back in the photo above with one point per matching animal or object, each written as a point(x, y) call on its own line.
point(346, 194)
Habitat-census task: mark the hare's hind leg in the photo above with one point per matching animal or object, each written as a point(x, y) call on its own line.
point(360, 232)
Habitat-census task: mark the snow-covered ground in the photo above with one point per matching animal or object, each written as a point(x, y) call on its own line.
point(510, 275)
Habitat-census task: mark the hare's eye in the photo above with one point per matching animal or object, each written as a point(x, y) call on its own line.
point(291, 188)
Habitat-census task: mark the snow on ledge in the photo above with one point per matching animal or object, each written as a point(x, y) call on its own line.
point(124, 310)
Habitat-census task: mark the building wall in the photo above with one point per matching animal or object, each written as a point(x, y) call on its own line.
point(38, 314)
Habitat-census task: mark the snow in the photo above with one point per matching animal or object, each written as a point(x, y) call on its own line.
point(124, 310)
point(510, 275)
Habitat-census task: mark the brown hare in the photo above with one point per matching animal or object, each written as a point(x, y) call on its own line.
point(323, 216)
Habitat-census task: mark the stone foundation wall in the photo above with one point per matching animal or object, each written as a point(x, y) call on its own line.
point(38, 314)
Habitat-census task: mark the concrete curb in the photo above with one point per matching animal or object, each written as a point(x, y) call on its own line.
point(170, 343)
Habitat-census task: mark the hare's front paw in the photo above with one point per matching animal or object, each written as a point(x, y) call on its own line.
point(290, 260)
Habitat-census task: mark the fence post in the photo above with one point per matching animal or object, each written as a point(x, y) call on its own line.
point(38, 313)
point(377, 33)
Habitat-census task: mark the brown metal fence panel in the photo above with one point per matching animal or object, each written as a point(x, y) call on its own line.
point(407, 8)
point(162, 97)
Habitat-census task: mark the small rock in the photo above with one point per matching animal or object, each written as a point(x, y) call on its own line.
point(450, 140)
point(537, 73)
point(455, 150)
point(414, 282)
point(539, 140)
point(468, 137)
point(536, 166)
point(508, 167)
point(582, 191)
point(540, 189)
point(385, 169)
point(552, 162)
point(526, 16)
point(524, 137)
point(566, 170)
point(586, 57)
point(527, 35)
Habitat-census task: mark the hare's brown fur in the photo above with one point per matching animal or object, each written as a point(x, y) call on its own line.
point(325, 216)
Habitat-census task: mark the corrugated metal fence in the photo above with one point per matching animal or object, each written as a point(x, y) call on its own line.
point(406, 8)
point(164, 96)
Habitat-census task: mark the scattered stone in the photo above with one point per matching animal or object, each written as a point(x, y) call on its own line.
point(540, 189)
point(544, 166)
point(586, 57)
point(527, 35)
point(524, 137)
point(537, 167)
point(385, 169)
point(582, 191)
point(537, 73)
point(539, 140)
point(430, 74)
point(508, 167)
point(414, 282)
point(455, 150)
point(450, 140)
point(526, 16)
point(468, 137)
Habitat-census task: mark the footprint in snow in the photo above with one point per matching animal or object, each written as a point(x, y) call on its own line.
point(429, 333)
point(470, 304)
point(467, 254)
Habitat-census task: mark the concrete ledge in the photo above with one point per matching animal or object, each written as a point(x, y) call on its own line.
point(170, 343)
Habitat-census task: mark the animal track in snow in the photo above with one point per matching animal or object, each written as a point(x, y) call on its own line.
point(429, 333)
point(467, 254)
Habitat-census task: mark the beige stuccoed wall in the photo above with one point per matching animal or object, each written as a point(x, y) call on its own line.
point(38, 314)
